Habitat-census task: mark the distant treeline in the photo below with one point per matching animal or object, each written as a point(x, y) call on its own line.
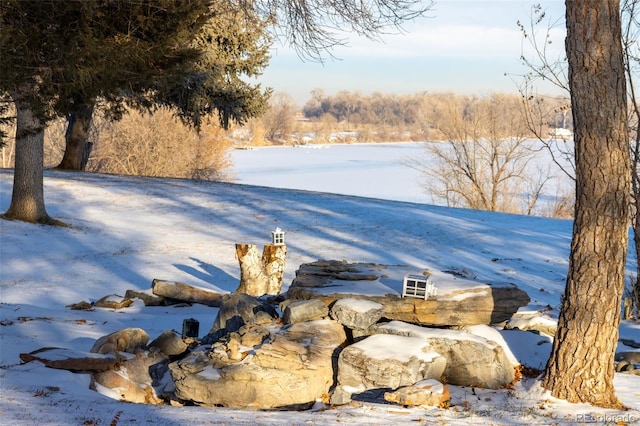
point(421, 110)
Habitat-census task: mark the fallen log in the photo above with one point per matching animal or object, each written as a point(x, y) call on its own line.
point(186, 293)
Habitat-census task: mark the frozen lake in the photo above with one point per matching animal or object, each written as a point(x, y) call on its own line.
point(373, 170)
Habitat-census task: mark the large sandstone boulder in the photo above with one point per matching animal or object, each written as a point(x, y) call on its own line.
point(293, 368)
point(472, 360)
point(459, 301)
point(385, 361)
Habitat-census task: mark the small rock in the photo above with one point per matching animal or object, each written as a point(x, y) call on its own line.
point(81, 306)
point(625, 365)
point(426, 392)
point(126, 340)
point(147, 297)
point(253, 335)
point(357, 313)
point(233, 350)
point(304, 310)
point(113, 301)
point(169, 343)
point(537, 323)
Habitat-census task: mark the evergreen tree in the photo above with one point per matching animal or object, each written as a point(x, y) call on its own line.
point(232, 43)
point(57, 53)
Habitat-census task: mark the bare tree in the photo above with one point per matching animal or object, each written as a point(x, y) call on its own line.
point(541, 112)
point(161, 145)
point(484, 163)
point(279, 119)
point(315, 27)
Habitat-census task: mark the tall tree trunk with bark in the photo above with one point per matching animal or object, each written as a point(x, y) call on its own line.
point(581, 367)
point(27, 200)
point(76, 137)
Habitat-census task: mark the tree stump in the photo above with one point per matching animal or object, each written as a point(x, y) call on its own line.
point(261, 275)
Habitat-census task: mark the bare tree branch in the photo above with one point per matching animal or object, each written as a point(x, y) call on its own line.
point(315, 27)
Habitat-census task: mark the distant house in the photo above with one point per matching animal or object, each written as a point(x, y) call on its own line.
point(561, 133)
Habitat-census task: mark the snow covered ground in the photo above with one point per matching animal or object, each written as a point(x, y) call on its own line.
point(126, 231)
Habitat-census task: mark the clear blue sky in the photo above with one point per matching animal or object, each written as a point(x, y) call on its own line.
point(464, 46)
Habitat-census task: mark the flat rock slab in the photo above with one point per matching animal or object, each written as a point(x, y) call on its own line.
point(459, 301)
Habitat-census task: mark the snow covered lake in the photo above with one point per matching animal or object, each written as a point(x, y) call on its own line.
point(373, 170)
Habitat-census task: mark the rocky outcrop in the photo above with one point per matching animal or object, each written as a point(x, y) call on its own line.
point(293, 368)
point(459, 301)
point(333, 343)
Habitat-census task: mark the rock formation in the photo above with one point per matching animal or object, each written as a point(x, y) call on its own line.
point(459, 301)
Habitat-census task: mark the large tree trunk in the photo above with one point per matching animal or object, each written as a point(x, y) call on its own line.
point(581, 368)
point(76, 138)
point(27, 199)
